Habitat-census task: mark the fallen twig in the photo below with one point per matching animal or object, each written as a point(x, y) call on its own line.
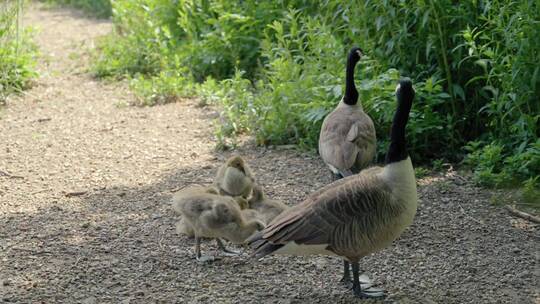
point(40, 191)
point(3, 173)
point(75, 193)
point(36, 252)
point(521, 214)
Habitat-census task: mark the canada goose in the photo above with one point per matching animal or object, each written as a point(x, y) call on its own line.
point(347, 140)
point(354, 216)
point(234, 178)
point(268, 208)
point(212, 216)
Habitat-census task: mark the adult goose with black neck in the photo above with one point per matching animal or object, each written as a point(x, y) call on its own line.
point(356, 215)
point(347, 140)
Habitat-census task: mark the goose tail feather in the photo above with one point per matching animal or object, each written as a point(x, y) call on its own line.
point(261, 247)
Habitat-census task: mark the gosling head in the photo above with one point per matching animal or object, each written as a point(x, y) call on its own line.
point(240, 231)
point(236, 162)
point(242, 202)
point(257, 194)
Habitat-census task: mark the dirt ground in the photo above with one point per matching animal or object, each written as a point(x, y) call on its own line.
point(85, 183)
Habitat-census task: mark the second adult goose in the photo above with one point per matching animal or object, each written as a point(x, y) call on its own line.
point(347, 140)
point(354, 216)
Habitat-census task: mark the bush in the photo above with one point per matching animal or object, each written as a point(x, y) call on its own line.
point(277, 68)
point(17, 53)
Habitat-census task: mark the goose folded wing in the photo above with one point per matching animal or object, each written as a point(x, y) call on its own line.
point(361, 133)
point(329, 216)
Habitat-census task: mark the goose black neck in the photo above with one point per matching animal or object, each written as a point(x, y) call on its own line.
point(398, 145)
point(351, 94)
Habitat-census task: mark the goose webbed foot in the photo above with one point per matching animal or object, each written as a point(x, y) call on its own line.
point(198, 256)
point(205, 258)
point(364, 290)
point(347, 281)
point(369, 293)
point(225, 250)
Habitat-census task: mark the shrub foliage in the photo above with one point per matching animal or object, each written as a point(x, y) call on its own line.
point(277, 68)
point(17, 53)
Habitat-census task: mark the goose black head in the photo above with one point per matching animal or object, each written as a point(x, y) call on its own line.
point(405, 91)
point(397, 150)
point(351, 94)
point(355, 54)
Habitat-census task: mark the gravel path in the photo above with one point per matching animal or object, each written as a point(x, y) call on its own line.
point(85, 182)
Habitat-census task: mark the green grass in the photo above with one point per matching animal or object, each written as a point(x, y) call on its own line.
point(17, 52)
point(277, 68)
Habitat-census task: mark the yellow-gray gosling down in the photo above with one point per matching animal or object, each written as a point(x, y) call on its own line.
point(235, 178)
point(183, 227)
point(347, 142)
point(213, 216)
point(354, 216)
point(267, 208)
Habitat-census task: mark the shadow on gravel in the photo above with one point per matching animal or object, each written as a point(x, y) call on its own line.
point(120, 247)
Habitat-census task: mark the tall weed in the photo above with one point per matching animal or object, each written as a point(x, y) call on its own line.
point(17, 53)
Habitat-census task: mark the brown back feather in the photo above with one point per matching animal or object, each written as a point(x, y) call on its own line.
point(335, 214)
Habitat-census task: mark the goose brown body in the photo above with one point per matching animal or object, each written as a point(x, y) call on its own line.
point(347, 141)
point(352, 217)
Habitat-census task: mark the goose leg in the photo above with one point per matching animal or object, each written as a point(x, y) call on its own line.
point(227, 252)
point(361, 292)
point(346, 279)
point(198, 256)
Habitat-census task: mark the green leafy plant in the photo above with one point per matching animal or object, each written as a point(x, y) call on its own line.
point(276, 68)
point(17, 52)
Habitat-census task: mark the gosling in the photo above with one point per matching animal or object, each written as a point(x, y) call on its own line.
point(208, 215)
point(268, 208)
point(235, 178)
